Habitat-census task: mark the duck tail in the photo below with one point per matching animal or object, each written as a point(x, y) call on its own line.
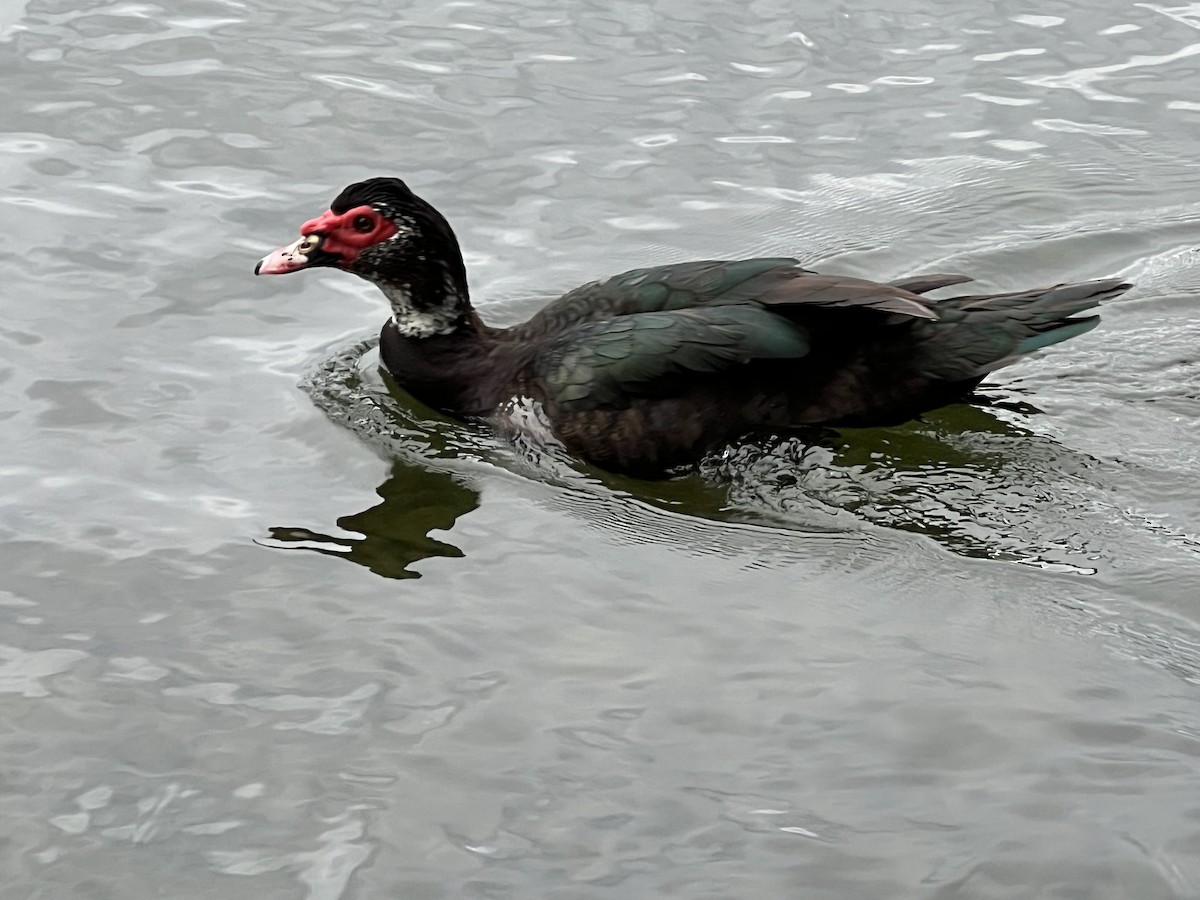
point(976, 335)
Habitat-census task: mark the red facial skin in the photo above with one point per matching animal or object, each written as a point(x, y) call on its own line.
point(343, 235)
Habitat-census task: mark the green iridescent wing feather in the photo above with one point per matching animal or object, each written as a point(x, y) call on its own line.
point(603, 364)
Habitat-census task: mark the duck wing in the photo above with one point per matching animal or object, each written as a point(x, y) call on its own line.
point(775, 283)
point(605, 364)
point(650, 332)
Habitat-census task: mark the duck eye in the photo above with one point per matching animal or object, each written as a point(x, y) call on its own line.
point(363, 224)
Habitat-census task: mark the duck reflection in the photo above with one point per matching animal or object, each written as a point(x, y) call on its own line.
point(395, 533)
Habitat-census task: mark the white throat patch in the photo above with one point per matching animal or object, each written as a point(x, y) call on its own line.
point(417, 323)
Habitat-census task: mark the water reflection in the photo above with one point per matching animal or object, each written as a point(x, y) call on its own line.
point(395, 533)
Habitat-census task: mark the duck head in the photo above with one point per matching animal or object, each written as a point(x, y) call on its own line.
point(383, 232)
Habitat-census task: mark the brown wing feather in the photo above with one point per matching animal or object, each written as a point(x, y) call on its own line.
point(841, 292)
point(921, 284)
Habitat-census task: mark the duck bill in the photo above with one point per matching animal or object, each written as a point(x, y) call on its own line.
point(291, 258)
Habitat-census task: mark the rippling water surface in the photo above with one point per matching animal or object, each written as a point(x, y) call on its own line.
point(270, 629)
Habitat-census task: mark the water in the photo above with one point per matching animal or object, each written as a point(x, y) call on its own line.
point(268, 629)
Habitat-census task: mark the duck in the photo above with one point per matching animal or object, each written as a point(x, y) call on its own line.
point(645, 372)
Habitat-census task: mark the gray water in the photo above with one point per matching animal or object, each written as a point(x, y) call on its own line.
point(270, 629)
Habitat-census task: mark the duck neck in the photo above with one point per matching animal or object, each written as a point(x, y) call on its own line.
point(425, 317)
point(451, 370)
point(430, 300)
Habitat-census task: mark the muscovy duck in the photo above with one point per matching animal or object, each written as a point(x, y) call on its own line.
point(650, 369)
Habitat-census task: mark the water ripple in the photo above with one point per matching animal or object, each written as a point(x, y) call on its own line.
point(22, 671)
point(597, 686)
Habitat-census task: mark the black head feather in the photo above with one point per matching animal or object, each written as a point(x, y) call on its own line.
point(379, 192)
point(429, 228)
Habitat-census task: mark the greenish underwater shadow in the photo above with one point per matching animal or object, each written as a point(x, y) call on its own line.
point(396, 532)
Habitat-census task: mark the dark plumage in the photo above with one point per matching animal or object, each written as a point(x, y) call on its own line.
point(651, 368)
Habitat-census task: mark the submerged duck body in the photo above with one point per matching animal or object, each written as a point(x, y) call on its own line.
point(650, 369)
